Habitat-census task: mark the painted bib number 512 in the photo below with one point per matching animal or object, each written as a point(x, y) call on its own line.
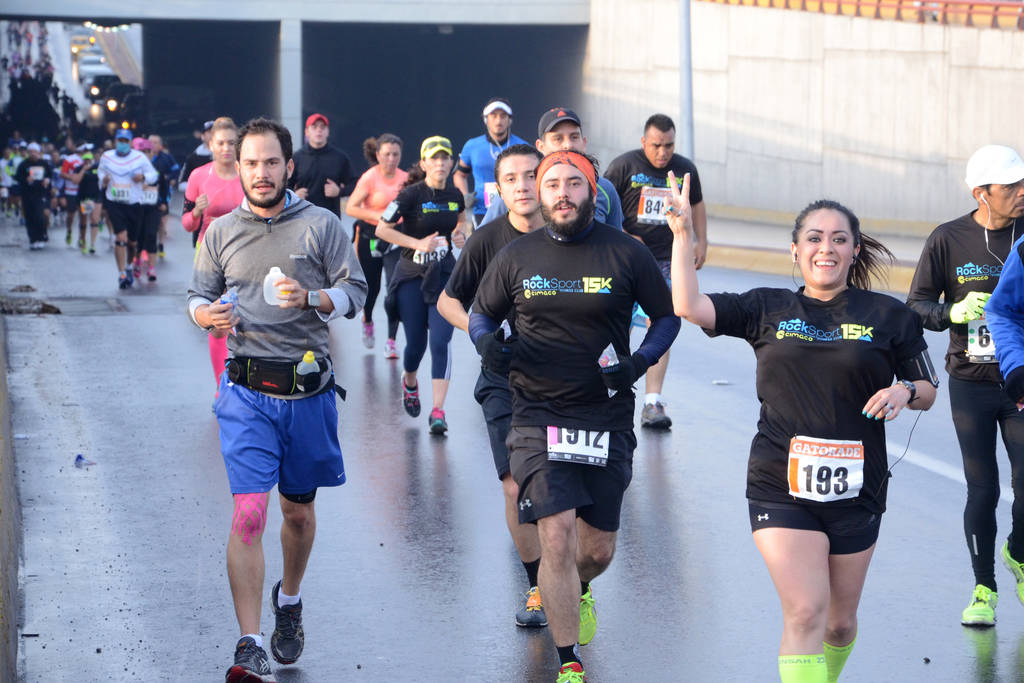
point(578, 445)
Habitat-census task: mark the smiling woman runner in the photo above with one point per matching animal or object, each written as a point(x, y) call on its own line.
point(433, 225)
point(816, 479)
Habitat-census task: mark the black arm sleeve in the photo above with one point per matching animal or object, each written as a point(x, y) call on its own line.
point(929, 282)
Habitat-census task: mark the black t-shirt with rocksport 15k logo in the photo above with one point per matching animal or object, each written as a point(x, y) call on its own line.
point(954, 262)
point(423, 211)
point(571, 300)
point(482, 246)
point(818, 363)
point(644, 192)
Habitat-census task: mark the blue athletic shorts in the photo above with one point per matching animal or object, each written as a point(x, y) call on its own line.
point(267, 441)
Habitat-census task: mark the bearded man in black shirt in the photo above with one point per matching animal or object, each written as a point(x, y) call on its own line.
point(569, 288)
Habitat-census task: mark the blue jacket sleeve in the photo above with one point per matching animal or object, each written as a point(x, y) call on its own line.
point(496, 210)
point(1005, 314)
point(614, 214)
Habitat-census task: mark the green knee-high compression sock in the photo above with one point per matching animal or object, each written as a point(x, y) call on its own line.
point(802, 668)
point(835, 658)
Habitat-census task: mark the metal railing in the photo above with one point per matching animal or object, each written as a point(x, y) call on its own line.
point(1007, 14)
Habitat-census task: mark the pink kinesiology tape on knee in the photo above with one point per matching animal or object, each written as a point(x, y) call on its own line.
point(250, 516)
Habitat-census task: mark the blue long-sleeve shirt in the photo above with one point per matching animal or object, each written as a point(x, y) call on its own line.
point(1005, 314)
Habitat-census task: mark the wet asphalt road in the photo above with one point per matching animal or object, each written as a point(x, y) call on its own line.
point(413, 576)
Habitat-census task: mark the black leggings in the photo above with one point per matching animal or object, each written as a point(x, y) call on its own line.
point(150, 229)
point(424, 326)
point(372, 269)
point(977, 408)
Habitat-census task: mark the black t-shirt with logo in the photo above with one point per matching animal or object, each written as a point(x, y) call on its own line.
point(481, 248)
point(955, 261)
point(818, 363)
point(571, 299)
point(643, 211)
point(423, 211)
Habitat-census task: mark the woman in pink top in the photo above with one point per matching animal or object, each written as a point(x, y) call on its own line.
point(377, 188)
point(213, 191)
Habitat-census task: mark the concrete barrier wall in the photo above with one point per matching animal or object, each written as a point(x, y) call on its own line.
point(10, 532)
point(790, 106)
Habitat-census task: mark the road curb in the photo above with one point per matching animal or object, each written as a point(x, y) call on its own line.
point(780, 262)
point(10, 529)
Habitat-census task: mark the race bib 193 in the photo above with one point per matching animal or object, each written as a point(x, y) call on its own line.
point(825, 470)
point(980, 346)
point(578, 445)
point(653, 206)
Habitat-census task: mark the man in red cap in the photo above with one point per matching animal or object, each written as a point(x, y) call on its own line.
point(323, 173)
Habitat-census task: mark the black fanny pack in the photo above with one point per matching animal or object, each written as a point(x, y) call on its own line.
point(276, 377)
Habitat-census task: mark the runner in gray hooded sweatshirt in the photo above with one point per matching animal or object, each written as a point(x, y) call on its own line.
point(270, 432)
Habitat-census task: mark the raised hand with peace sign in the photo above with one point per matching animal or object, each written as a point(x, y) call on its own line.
point(687, 299)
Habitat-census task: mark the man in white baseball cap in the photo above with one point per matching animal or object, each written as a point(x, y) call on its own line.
point(964, 261)
point(994, 164)
point(479, 154)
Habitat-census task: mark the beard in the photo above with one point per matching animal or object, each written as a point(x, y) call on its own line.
point(265, 203)
point(569, 229)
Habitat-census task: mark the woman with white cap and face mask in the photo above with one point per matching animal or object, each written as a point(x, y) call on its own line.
point(962, 263)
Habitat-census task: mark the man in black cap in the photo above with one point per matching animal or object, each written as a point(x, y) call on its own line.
point(323, 173)
point(561, 129)
point(199, 156)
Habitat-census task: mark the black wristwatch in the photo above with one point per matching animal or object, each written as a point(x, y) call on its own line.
point(911, 387)
point(313, 298)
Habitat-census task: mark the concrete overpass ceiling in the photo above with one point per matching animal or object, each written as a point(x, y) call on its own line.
point(545, 12)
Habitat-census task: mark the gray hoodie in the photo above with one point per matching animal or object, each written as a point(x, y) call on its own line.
point(309, 245)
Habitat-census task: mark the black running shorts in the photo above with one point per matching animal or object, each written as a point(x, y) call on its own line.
point(850, 528)
point(548, 487)
point(125, 218)
point(495, 398)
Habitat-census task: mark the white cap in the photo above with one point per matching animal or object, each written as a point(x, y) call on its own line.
point(497, 104)
point(994, 164)
point(34, 147)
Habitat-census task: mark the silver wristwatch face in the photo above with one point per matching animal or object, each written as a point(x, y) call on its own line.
point(910, 387)
point(313, 299)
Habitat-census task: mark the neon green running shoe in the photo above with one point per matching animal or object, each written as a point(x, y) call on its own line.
point(1016, 568)
point(571, 673)
point(588, 617)
point(982, 609)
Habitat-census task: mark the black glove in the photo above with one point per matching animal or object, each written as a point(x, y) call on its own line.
point(496, 351)
point(1015, 384)
point(620, 377)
